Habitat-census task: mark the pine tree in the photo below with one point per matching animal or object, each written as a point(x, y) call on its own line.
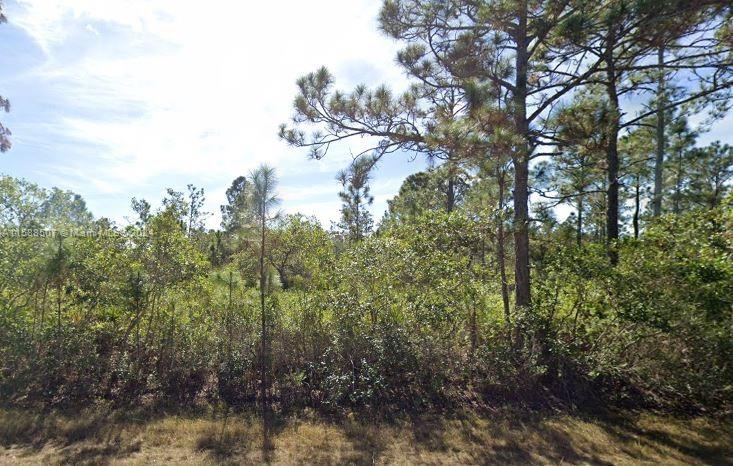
point(356, 220)
point(234, 211)
point(261, 202)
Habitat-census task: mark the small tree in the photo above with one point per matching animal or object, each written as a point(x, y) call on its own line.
point(262, 201)
point(196, 213)
point(575, 171)
point(709, 176)
point(233, 211)
point(356, 220)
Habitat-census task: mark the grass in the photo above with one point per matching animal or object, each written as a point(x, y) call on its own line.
point(506, 437)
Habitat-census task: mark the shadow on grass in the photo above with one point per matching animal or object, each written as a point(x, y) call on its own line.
point(224, 443)
point(238, 435)
point(523, 437)
point(92, 436)
point(99, 454)
point(36, 428)
point(367, 439)
point(694, 441)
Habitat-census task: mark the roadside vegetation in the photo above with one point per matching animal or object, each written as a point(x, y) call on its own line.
point(569, 251)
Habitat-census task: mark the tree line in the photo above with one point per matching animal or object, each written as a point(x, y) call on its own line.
point(491, 81)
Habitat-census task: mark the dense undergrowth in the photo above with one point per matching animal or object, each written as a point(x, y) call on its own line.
point(409, 319)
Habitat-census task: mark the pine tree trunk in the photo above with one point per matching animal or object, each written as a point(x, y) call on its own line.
point(500, 253)
point(357, 223)
point(612, 154)
point(264, 373)
point(637, 206)
point(450, 200)
point(678, 183)
point(520, 159)
point(661, 140)
point(579, 232)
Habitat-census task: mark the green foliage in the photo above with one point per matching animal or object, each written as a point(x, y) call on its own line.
point(660, 321)
point(441, 188)
point(356, 220)
point(301, 252)
point(410, 318)
point(233, 213)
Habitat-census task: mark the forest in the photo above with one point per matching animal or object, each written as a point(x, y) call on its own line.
point(569, 247)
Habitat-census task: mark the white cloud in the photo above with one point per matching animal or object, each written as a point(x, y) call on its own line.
point(196, 90)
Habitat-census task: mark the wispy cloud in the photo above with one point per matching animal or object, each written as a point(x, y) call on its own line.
point(164, 90)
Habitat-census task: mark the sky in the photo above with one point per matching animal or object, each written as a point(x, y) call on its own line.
point(118, 99)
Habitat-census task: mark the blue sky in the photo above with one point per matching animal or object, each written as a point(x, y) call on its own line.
point(116, 99)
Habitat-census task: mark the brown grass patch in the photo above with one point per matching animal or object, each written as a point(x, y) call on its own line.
point(93, 437)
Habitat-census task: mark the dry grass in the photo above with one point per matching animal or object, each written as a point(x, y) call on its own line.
point(90, 437)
